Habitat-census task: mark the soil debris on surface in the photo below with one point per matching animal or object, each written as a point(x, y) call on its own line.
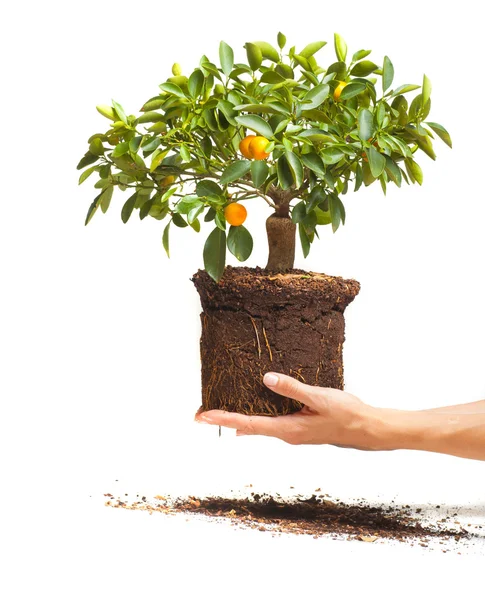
point(315, 515)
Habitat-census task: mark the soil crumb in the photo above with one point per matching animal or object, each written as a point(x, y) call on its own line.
point(315, 515)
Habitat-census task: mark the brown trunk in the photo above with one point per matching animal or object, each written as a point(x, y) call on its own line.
point(281, 242)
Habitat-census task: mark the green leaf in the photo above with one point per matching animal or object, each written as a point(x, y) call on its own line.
point(304, 240)
point(359, 55)
point(363, 68)
point(220, 220)
point(107, 112)
point(128, 207)
point(105, 198)
point(366, 127)
point(255, 56)
point(121, 149)
point(215, 254)
point(403, 89)
point(340, 47)
point(240, 242)
point(302, 61)
point(377, 161)
point(165, 240)
point(185, 153)
point(235, 171)
point(440, 132)
point(426, 93)
point(352, 89)
point(96, 147)
point(315, 97)
point(157, 159)
point(298, 212)
point(358, 177)
point(256, 123)
point(226, 56)
point(196, 83)
point(88, 159)
point(331, 155)
point(150, 116)
point(285, 176)
point(206, 187)
point(179, 221)
point(272, 77)
point(414, 170)
point(281, 40)
point(85, 174)
point(393, 171)
point(259, 172)
point(268, 51)
point(295, 167)
point(195, 212)
point(134, 143)
point(120, 112)
point(387, 74)
point(323, 216)
point(311, 49)
point(314, 163)
point(210, 215)
point(335, 206)
point(93, 208)
point(173, 89)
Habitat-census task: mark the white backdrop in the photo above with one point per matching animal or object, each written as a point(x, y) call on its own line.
point(99, 330)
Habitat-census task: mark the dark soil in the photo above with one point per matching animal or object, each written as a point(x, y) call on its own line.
point(316, 516)
point(255, 321)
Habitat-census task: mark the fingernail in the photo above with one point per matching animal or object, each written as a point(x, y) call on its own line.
point(270, 379)
point(240, 433)
point(203, 419)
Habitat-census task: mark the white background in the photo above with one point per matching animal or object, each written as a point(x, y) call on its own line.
point(99, 330)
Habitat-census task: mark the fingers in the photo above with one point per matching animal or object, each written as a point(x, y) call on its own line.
point(245, 424)
point(291, 388)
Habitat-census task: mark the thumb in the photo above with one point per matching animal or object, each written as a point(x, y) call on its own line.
point(292, 388)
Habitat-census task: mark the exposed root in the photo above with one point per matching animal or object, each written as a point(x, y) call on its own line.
point(267, 345)
point(257, 335)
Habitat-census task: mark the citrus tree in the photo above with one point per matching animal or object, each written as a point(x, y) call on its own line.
point(278, 126)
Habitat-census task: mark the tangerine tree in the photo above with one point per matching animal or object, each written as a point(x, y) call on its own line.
point(279, 127)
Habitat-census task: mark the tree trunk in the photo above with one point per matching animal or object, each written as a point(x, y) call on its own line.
point(281, 242)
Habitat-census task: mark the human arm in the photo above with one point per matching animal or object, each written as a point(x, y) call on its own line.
point(335, 417)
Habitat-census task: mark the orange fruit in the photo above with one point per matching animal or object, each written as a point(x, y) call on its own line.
point(338, 90)
point(235, 214)
point(257, 146)
point(244, 146)
point(168, 180)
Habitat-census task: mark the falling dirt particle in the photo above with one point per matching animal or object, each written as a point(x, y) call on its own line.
point(367, 538)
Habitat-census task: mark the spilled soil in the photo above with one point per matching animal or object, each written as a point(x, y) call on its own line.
point(316, 516)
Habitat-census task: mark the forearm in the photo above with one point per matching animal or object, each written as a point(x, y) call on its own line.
point(471, 407)
point(460, 435)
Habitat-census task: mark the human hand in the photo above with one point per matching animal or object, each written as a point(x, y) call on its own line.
point(329, 416)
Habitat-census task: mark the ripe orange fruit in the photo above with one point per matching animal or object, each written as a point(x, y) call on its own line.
point(244, 146)
point(338, 90)
point(168, 180)
point(253, 147)
point(235, 214)
point(257, 147)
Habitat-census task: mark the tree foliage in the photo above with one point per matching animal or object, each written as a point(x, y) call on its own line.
point(329, 130)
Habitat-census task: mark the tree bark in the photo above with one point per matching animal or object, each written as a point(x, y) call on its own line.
point(281, 242)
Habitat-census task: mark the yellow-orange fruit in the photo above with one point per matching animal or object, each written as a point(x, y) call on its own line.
point(244, 146)
point(235, 214)
point(338, 90)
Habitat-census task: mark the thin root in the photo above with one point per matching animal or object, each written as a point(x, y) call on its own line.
point(267, 345)
point(257, 335)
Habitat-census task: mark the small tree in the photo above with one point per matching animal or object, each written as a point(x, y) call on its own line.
point(314, 132)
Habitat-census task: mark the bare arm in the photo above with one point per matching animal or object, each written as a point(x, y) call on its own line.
point(334, 417)
point(461, 409)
